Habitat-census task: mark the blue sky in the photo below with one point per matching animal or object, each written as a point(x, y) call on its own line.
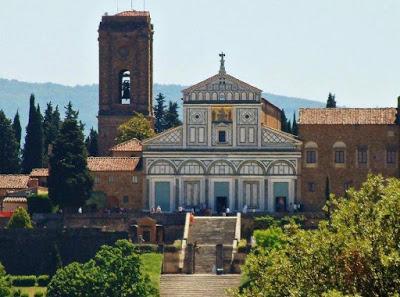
point(303, 48)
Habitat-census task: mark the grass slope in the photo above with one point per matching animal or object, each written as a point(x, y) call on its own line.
point(152, 266)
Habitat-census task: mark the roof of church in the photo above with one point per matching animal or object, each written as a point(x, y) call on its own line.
point(40, 172)
point(347, 116)
point(13, 181)
point(130, 13)
point(105, 164)
point(133, 145)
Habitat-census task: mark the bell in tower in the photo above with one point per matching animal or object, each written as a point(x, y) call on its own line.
point(126, 88)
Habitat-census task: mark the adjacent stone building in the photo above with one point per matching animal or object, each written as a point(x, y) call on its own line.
point(344, 145)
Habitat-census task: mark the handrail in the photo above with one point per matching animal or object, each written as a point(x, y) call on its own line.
point(184, 242)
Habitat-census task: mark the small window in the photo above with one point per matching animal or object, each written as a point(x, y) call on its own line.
point(125, 200)
point(311, 187)
point(192, 135)
point(222, 136)
point(311, 157)
point(134, 179)
point(96, 180)
point(242, 135)
point(110, 179)
point(201, 135)
point(391, 156)
point(339, 157)
point(251, 135)
point(362, 156)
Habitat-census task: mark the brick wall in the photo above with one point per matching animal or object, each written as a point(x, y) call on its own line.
point(377, 138)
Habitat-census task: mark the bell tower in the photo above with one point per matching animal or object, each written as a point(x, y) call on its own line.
point(126, 72)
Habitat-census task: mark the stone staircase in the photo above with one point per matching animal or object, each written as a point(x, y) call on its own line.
point(197, 285)
point(207, 232)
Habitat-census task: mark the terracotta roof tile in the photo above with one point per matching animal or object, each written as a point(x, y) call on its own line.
point(17, 181)
point(347, 116)
point(40, 172)
point(130, 13)
point(132, 145)
point(105, 164)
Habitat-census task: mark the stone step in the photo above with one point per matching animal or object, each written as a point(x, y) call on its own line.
point(214, 230)
point(197, 285)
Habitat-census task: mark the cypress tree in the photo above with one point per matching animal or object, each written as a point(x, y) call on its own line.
point(33, 147)
point(9, 148)
point(171, 116)
point(17, 128)
point(51, 126)
point(284, 122)
point(91, 143)
point(70, 183)
point(331, 102)
point(159, 113)
point(295, 127)
point(289, 127)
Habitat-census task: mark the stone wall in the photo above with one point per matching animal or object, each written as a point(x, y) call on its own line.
point(41, 251)
point(377, 138)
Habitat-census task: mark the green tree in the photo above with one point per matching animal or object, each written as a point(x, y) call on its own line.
point(91, 143)
point(331, 102)
point(356, 254)
point(5, 286)
point(51, 127)
point(17, 128)
point(70, 183)
point(137, 127)
point(295, 127)
point(171, 116)
point(284, 121)
point(159, 113)
point(115, 271)
point(20, 219)
point(33, 147)
point(9, 148)
point(288, 127)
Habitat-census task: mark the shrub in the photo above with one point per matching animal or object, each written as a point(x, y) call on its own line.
point(39, 204)
point(20, 219)
point(43, 280)
point(269, 239)
point(38, 294)
point(23, 280)
point(146, 248)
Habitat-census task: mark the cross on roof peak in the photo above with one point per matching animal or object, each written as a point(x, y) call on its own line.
point(222, 66)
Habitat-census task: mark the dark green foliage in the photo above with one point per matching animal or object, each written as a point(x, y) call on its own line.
point(51, 127)
point(23, 280)
point(172, 116)
point(5, 286)
point(9, 147)
point(159, 113)
point(20, 220)
point(284, 121)
point(39, 204)
point(70, 183)
point(115, 271)
point(38, 294)
point(91, 143)
point(295, 127)
point(17, 128)
point(271, 238)
point(331, 102)
point(137, 127)
point(33, 147)
point(43, 280)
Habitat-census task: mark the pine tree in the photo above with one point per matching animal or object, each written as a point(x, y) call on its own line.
point(70, 183)
point(17, 128)
point(331, 102)
point(284, 122)
point(91, 143)
point(295, 127)
point(9, 148)
point(51, 126)
point(33, 147)
point(171, 116)
point(159, 113)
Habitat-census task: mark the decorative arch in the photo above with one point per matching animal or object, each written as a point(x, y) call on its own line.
point(251, 168)
point(200, 96)
point(244, 96)
point(221, 167)
point(192, 167)
point(339, 144)
point(229, 96)
point(193, 96)
point(207, 96)
point(214, 96)
point(162, 167)
point(311, 145)
point(281, 167)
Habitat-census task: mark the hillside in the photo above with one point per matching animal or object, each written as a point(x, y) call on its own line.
point(15, 95)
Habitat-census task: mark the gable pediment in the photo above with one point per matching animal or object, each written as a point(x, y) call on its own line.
point(273, 137)
point(172, 137)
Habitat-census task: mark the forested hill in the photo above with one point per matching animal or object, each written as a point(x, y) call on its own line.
point(15, 95)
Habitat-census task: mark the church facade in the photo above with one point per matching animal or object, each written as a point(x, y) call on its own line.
point(229, 152)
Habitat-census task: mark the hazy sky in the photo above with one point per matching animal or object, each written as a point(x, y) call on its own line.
point(303, 48)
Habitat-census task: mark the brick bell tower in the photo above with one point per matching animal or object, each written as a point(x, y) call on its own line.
point(126, 72)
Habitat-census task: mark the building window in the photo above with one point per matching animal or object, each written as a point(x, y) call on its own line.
point(362, 156)
point(311, 157)
point(222, 136)
point(347, 185)
point(311, 187)
point(251, 135)
point(96, 179)
point(242, 135)
point(125, 87)
point(339, 157)
point(110, 179)
point(391, 156)
point(201, 135)
point(192, 132)
point(134, 179)
point(125, 200)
